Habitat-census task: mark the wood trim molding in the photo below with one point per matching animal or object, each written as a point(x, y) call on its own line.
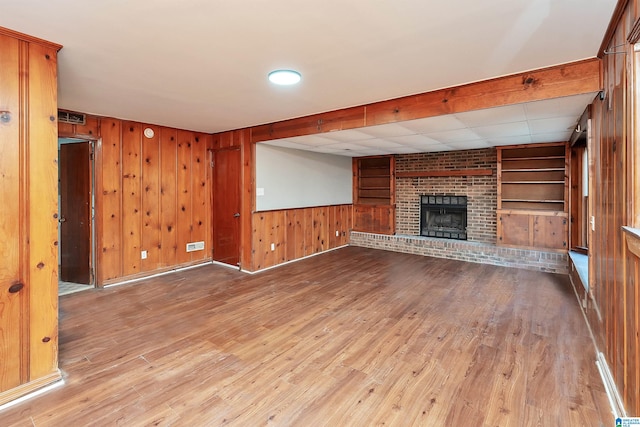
point(613, 24)
point(531, 212)
point(634, 34)
point(30, 387)
point(29, 39)
point(632, 237)
point(553, 82)
point(154, 273)
point(458, 172)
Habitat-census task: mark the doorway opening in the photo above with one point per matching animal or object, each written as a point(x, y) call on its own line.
point(76, 207)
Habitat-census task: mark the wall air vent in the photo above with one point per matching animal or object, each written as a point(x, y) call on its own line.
point(195, 246)
point(71, 117)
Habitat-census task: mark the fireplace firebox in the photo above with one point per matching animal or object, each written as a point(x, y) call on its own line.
point(443, 216)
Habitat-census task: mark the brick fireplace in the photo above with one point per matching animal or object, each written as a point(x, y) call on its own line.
point(480, 193)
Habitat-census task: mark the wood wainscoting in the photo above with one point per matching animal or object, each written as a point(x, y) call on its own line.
point(289, 234)
point(353, 337)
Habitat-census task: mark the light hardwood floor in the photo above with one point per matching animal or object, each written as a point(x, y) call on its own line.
point(354, 337)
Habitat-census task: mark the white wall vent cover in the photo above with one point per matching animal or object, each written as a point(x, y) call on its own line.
point(71, 117)
point(195, 246)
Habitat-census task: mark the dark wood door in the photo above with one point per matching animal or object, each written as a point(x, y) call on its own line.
point(226, 206)
point(75, 212)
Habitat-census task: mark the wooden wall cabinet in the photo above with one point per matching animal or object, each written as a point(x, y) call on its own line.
point(532, 196)
point(28, 215)
point(374, 194)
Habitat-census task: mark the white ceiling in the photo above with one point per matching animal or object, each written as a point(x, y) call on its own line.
point(203, 64)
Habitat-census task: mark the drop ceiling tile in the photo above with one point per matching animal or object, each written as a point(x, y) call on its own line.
point(346, 146)
point(285, 143)
point(434, 124)
point(510, 140)
point(312, 140)
point(506, 129)
point(406, 150)
point(568, 106)
point(468, 145)
point(434, 148)
point(372, 152)
point(558, 124)
point(378, 143)
point(324, 149)
point(413, 140)
point(387, 130)
point(348, 135)
point(551, 137)
point(493, 116)
point(458, 135)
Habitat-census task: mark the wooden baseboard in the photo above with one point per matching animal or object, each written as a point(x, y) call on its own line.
point(617, 407)
point(28, 388)
point(150, 274)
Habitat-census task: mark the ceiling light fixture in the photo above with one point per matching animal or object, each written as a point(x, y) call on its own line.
point(284, 77)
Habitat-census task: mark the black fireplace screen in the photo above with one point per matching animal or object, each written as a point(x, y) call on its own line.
point(443, 216)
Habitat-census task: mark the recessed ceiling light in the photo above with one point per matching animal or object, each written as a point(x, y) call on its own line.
point(284, 77)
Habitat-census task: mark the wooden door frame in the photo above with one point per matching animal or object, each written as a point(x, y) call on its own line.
point(93, 200)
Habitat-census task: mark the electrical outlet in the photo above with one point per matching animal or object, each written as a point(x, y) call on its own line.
point(143, 254)
point(273, 246)
point(337, 233)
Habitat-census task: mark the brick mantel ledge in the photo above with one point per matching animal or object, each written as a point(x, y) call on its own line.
point(462, 250)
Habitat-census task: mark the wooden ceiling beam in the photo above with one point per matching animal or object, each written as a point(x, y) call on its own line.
point(553, 82)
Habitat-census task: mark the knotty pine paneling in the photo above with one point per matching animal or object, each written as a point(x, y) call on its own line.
point(28, 215)
point(11, 304)
point(320, 229)
point(631, 296)
point(168, 198)
point(131, 197)
point(43, 214)
point(183, 189)
point(153, 195)
point(613, 276)
point(199, 195)
point(109, 201)
point(297, 233)
point(151, 226)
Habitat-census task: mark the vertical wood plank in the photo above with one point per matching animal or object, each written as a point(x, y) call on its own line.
point(89, 129)
point(320, 229)
point(290, 234)
point(11, 243)
point(199, 194)
point(109, 212)
point(183, 194)
point(279, 238)
point(168, 214)
point(248, 201)
point(131, 197)
point(43, 211)
point(309, 231)
point(151, 227)
point(334, 225)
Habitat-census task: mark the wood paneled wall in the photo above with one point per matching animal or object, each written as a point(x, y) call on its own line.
point(613, 309)
point(152, 194)
point(296, 233)
point(28, 215)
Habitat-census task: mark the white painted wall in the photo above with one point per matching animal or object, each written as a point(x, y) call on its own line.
point(288, 178)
